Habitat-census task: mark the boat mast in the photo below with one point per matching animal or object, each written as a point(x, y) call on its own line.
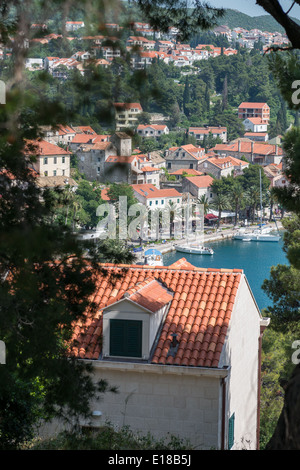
point(260, 199)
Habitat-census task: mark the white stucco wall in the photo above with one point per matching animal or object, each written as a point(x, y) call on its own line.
point(242, 383)
point(163, 400)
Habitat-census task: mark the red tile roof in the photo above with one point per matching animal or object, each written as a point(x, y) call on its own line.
point(150, 191)
point(149, 168)
point(152, 295)
point(128, 106)
point(188, 171)
point(260, 148)
point(42, 147)
point(201, 181)
point(252, 105)
point(201, 303)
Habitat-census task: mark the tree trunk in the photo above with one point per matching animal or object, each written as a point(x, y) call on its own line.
point(287, 432)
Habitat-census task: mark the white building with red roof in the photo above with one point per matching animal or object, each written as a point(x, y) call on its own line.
point(183, 344)
point(155, 198)
point(126, 115)
point(51, 160)
point(254, 110)
point(215, 131)
point(261, 153)
point(152, 130)
point(74, 25)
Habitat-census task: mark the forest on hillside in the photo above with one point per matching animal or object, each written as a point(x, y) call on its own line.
point(234, 18)
point(207, 93)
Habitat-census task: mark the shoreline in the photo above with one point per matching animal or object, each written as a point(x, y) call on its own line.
point(219, 235)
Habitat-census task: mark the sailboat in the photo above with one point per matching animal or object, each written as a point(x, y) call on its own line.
point(194, 248)
point(261, 234)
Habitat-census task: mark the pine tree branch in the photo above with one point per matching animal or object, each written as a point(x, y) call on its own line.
point(292, 29)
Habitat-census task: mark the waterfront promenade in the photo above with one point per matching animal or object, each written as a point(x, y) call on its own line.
point(210, 236)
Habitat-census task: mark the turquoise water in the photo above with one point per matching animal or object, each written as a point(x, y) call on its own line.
point(255, 258)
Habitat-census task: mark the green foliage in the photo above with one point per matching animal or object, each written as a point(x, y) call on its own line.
point(276, 369)
point(108, 438)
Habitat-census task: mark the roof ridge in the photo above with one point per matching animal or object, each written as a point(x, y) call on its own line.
point(171, 268)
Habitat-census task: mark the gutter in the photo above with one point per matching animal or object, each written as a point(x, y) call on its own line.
point(157, 368)
point(223, 382)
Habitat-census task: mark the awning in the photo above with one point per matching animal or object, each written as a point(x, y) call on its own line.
point(210, 216)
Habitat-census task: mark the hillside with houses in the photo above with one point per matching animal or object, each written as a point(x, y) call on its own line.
point(122, 142)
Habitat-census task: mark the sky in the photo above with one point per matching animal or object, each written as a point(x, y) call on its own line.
point(250, 8)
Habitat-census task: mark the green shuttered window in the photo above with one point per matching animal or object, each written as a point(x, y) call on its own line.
point(231, 431)
point(126, 338)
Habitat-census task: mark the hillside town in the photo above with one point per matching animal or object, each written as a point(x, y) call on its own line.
point(180, 344)
point(111, 157)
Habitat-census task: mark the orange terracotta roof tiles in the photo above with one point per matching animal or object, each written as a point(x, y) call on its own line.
point(188, 171)
point(195, 327)
point(42, 147)
point(252, 105)
point(203, 181)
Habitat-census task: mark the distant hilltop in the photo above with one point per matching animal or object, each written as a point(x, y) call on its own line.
point(234, 18)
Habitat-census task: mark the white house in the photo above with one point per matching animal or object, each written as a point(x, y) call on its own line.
point(74, 25)
point(215, 131)
point(183, 346)
point(152, 130)
point(51, 160)
point(255, 124)
point(155, 198)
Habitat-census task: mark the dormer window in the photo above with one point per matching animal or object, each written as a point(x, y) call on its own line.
point(131, 324)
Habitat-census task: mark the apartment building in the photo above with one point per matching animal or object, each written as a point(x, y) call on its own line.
point(254, 110)
point(126, 115)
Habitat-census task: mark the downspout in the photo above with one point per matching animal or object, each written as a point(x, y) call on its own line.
point(223, 382)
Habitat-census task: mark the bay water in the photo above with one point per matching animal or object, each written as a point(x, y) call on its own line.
point(255, 258)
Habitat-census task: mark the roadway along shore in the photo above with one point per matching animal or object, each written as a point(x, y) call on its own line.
point(210, 236)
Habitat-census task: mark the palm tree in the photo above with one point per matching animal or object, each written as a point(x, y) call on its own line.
point(253, 198)
point(174, 212)
point(220, 203)
point(203, 200)
point(237, 195)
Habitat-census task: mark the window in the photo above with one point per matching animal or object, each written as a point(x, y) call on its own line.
point(45, 160)
point(191, 166)
point(126, 338)
point(45, 173)
point(231, 431)
point(169, 164)
point(54, 159)
point(54, 172)
point(63, 159)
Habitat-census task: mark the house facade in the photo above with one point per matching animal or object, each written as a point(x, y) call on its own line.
point(154, 198)
point(152, 130)
point(261, 153)
point(254, 110)
point(217, 166)
point(198, 186)
point(182, 345)
point(126, 115)
point(51, 160)
point(186, 156)
point(201, 132)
